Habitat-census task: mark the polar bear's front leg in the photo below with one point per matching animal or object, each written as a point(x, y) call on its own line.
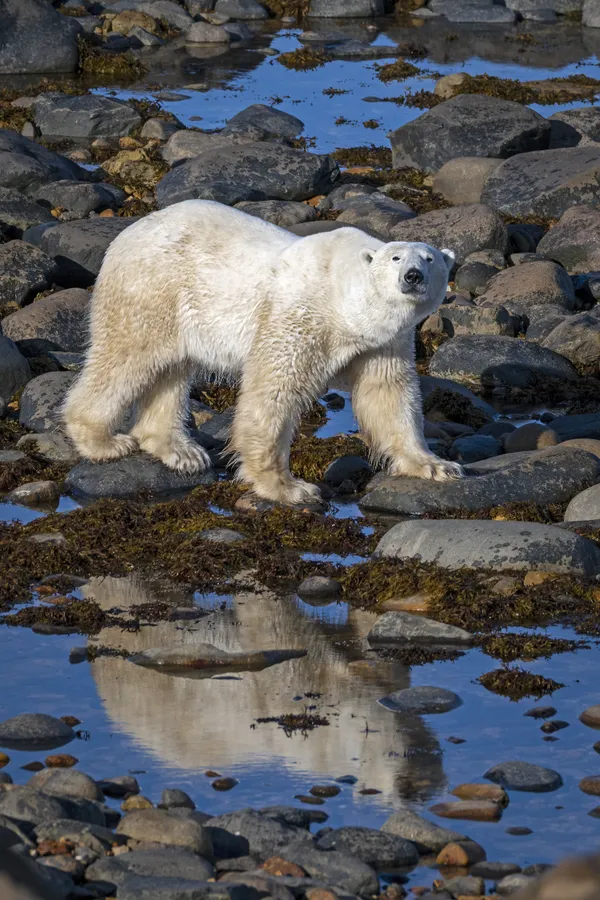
point(386, 399)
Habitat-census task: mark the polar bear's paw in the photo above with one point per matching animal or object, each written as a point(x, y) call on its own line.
point(290, 491)
point(430, 468)
point(186, 458)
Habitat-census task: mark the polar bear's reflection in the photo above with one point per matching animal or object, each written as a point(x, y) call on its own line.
point(196, 724)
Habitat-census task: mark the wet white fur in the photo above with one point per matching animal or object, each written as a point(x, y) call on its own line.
point(202, 285)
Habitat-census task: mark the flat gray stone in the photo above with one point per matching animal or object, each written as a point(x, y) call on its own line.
point(405, 627)
point(585, 506)
point(127, 477)
point(427, 837)
point(262, 836)
point(422, 700)
point(60, 319)
point(378, 849)
point(42, 400)
point(524, 776)
point(34, 731)
point(455, 543)
point(167, 862)
point(275, 122)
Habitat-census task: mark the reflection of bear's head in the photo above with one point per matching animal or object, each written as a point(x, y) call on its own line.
point(410, 278)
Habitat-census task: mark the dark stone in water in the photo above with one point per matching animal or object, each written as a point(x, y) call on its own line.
point(325, 790)
point(34, 731)
point(291, 815)
point(224, 784)
point(421, 700)
point(551, 727)
point(522, 776)
point(306, 798)
point(518, 830)
point(540, 712)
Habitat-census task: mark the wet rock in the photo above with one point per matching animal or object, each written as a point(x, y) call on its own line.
point(88, 116)
point(578, 339)
point(205, 33)
point(157, 888)
point(401, 627)
point(60, 761)
point(494, 361)
point(18, 213)
point(545, 183)
point(511, 884)
point(477, 810)
point(79, 247)
point(174, 14)
point(283, 213)
point(273, 170)
point(464, 12)
point(166, 862)
point(427, 837)
point(454, 543)
point(42, 399)
point(14, 370)
point(591, 717)
point(545, 476)
point(34, 731)
point(421, 700)
point(224, 784)
point(334, 867)
point(24, 271)
point(354, 468)
point(127, 477)
point(490, 792)
point(494, 871)
point(532, 436)
point(325, 790)
point(461, 180)
point(540, 712)
point(275, 122)
point(59, 319)
point(255, 834)
point(574, 241)
point(465, 885)
point(345, 9)
point(536, 283)
point(241, 9)
point(523, 776)
point(460, 853)
point(585, 506)
point(472, 125)
point(162, 827)
point(474, 448)
point(65, 783)
point(49, 447)
point(208, 657)
point(26, 164)
point(319, 587)
point(79, 199)
point(584, 425)
point(464, 229)
point(119, 786)
point(375, 848)
point(35, 493)
point(36, 39)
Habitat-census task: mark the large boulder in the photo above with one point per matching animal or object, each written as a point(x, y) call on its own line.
point(531, 284)
point(461, 180)
point(458, 320)
point(545, 183)
point(24, 272)
point(14, 370)
point(18, 213)
point(78, 199)
point(376, 213)
point(584, 506)
point(468, 125)
point(60, 319)
point(273, 170)
point(503, 362)
point(161, 827)
point(578, 339)
point(574, 242)
point(42, 400)
point(88, 116)
point(455, 543)
point(542, 476)
point(463, 229)
point(34, 732)
point(584, 425)
point(571, 127)
point(78, 247)
point(25, 164)
point(35, 38)
point(345, 9)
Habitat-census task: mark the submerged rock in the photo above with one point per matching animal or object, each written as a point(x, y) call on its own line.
point(523, 776)
point(427, 837)
point(208, 657)
point(421, 700)
point(400, 627)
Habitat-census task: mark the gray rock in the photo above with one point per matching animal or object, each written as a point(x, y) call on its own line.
point(273, 170)
point(275, 122)
point(14, 370)
point(36, 39)
point(94, 837)
point(145, 38)
point(49, 447)
point(461, 180)
point(78, 247)
point(25, 164)
point(60, 319)
point(427, 837)
point(375, 848)
point(463, 229)
point(119, 786)
point(65, 783)
point(422, 700)
point(574, 241)
point(535, 283)
point(457, 320)
point(140, 888)
point(51, 882)
point(539, 321)
point(474, 447)
point(523, 776)
point(42, 399)
point(79, 199)
point(512, 884)
point(241, 9)
point(454, 543)
point(158, 129)
point(160, 826)
point(88, 116)
point(283, 213)
point(24, 271)
point(205, 33)
point(185, 143)
point(32, 807)
point(585, 506)
point(262, 836)
point(221, 535)
point(335, 867)
point(173, 13)
point(172, 798)
point(463, 13)
point(165, 862)
point(585, 425)
point(473, 276)
point(574, 126)
point(494, 871)
point(545, 183)
point(471, 125)
point(578, 339)
point(318, 587)
point(345, 9)
point(591, 14)
point(18, 212)
point(405, 627)
point(500, 362)
point(34, 731)
point(35, 493)
point(123, 478)
point(353, 468)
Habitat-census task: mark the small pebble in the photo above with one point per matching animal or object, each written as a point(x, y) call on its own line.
point(4, 760)
point(369, 792)
point(541, 712)
point(224, 784)
point(70, 720)
point(554, 725)
point(211, 774)
point(324, 790)
point(476, 810)
point(591, 716)
point(456, 740)
point(313, 801)
point(33, 767)
point(60, 761)
point(518, 830)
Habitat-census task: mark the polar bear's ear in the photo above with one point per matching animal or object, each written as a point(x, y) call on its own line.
point(366, 256)
point(449, 257)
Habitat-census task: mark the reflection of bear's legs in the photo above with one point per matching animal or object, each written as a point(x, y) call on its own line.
point(386, 400)
point(160, 425)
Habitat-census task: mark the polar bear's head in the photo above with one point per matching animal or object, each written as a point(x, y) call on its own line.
point(409, 279)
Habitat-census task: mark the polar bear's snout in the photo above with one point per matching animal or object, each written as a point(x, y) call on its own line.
point(414, 277)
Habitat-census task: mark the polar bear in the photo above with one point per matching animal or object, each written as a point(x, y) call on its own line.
point(199, 285)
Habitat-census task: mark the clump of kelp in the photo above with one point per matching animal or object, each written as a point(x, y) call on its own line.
point(295, 722)
point(524, 511)
point(517, 684)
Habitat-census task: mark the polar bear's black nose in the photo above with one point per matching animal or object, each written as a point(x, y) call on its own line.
point(414, 277)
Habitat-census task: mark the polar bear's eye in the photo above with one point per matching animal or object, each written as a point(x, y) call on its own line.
point(395, 259)
point(430, 259)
